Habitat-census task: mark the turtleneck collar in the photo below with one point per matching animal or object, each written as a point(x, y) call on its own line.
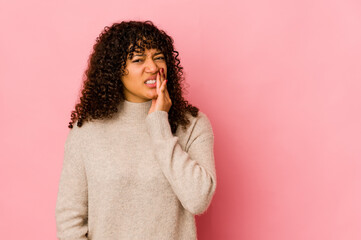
point(133, 111)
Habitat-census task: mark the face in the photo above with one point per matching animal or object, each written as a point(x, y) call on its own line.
point(142, 66)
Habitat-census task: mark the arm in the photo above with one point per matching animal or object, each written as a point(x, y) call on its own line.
point(191, 173)
point(72, 202)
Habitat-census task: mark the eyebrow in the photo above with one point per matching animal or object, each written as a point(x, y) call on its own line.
point(157, 53)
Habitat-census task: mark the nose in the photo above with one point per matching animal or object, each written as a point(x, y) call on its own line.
point(151, 66)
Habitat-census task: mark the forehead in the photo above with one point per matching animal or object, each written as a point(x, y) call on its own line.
point(140, 52)
point(142, 46)
point(143, 43)
point(146, 50)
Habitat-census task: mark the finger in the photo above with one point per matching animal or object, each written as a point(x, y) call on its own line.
point(163, 86)
point(166, 88)
point(161, 71)
point(161, 75)
point(158, 82)
point(162, 78)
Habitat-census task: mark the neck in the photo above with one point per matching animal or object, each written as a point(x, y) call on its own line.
point(133, 111)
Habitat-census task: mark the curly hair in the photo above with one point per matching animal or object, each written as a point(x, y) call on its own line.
point(102, 88)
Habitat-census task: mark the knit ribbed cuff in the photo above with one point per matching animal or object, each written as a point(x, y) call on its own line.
point(158, 125)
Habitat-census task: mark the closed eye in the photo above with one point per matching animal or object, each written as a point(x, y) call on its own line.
point(138, 60)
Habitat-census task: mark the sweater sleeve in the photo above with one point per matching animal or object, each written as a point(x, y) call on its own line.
point(191, 173)
point(72, 202)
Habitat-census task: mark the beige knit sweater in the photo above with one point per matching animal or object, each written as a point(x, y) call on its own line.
point(129, 177)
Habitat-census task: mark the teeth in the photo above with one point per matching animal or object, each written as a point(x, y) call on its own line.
point(150, 81)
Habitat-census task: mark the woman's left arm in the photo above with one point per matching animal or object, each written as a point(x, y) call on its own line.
point(191, 173)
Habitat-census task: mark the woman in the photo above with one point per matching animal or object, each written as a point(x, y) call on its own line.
point(139, 162)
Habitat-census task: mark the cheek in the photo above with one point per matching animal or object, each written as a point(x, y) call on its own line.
point(127, 81)
point(129, 75)
point(133, 80)
point(135, 72)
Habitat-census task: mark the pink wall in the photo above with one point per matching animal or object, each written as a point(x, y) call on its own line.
point(280, 81)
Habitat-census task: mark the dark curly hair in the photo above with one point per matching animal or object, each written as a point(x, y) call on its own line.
point(102, 88)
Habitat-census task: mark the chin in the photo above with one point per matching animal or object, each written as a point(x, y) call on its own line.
point(152, 96)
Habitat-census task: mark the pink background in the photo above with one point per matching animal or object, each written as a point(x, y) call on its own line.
point(279, 80)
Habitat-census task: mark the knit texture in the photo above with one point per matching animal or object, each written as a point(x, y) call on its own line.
point(129, 177)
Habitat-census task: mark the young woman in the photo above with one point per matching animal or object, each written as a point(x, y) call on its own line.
point(138, 159)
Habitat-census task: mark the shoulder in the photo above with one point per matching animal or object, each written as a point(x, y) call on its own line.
point(73, 135)
point(200, 127)
point(201, 123)
point(77, 135)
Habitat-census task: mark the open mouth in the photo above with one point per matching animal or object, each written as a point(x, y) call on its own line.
point(151, 83)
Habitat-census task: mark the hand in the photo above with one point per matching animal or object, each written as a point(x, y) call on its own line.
point(163, 101)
